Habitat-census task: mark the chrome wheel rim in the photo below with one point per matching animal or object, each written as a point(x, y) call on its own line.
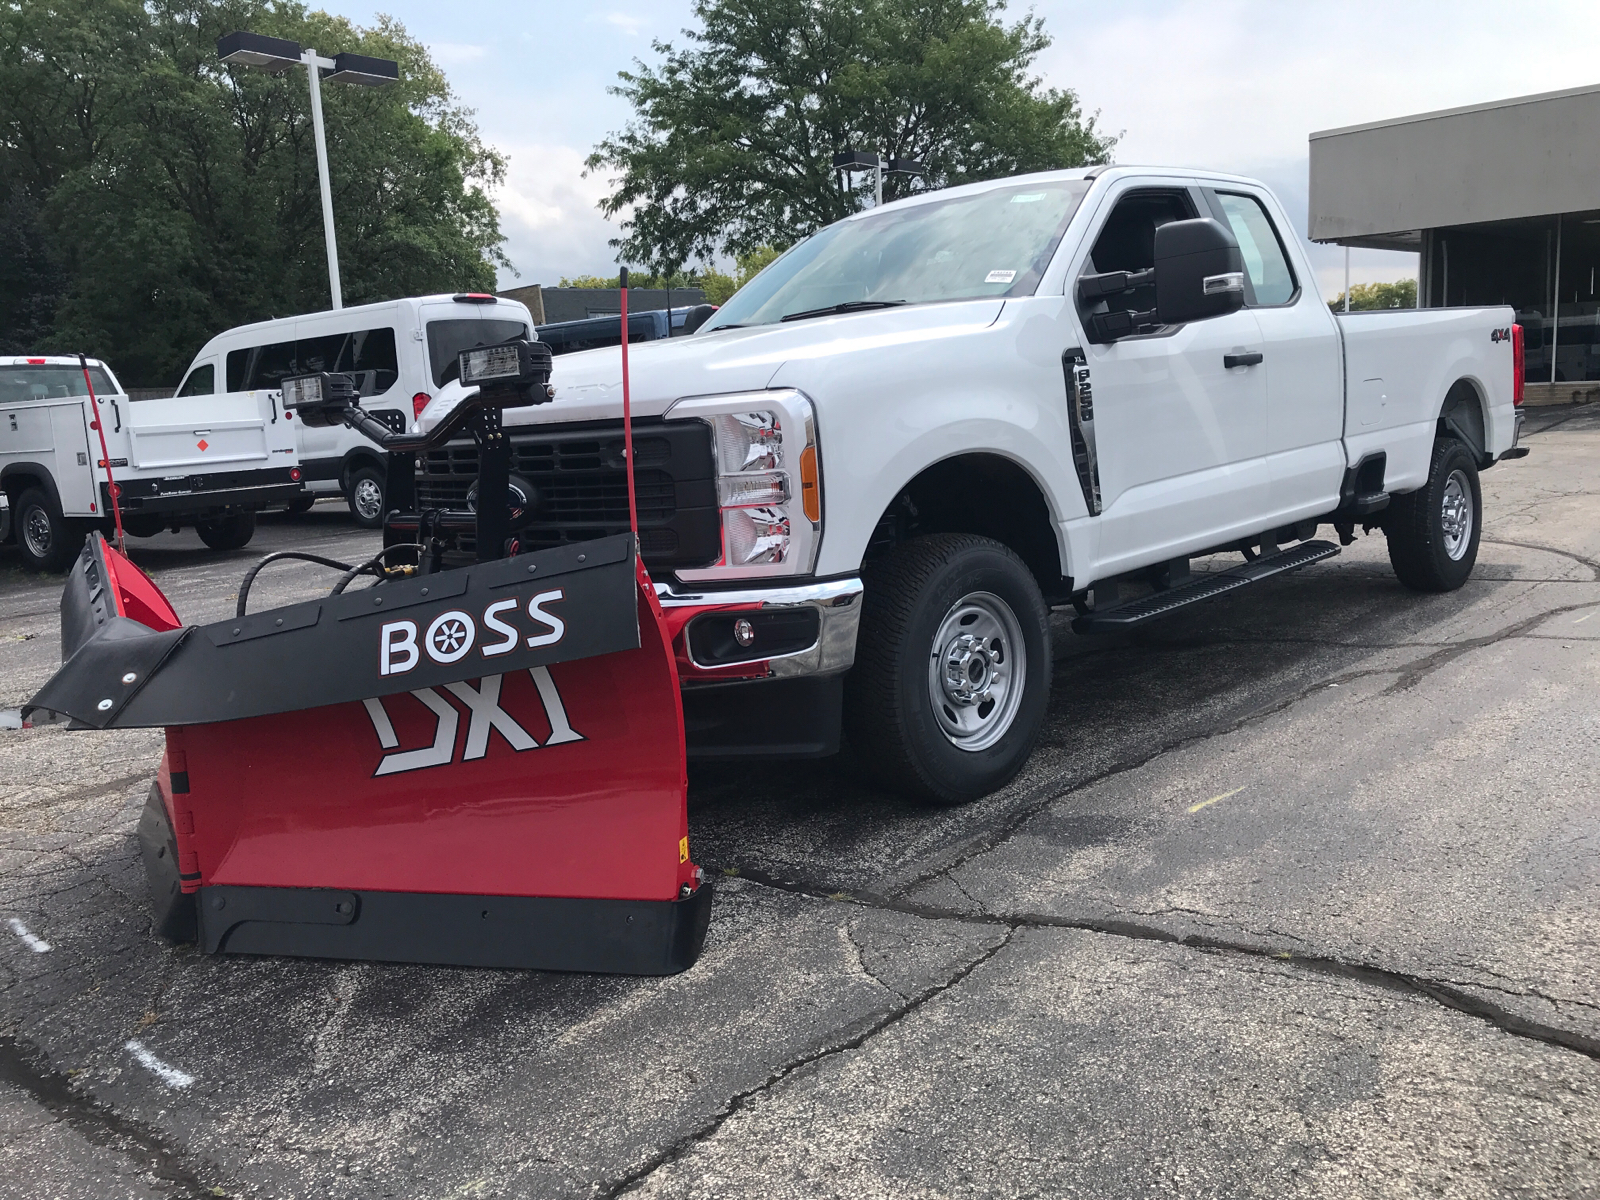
point(369, 499)
point(1455, 515)
point(977, 671)
point(36, 532)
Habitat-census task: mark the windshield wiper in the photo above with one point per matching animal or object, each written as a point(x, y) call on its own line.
point(847, 306)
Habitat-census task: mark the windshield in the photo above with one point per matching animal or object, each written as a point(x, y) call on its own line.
point(44, 381)
point(989, 245)
point(447, 339)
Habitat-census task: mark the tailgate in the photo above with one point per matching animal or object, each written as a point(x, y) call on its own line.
point(192, 433)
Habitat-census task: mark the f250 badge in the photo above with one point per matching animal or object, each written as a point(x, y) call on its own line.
point(1500, 335)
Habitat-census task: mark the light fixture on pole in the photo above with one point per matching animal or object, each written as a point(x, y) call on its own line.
point(859, 160)
point(278, 55)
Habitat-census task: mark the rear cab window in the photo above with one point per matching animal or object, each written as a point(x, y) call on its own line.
point(1266, 263)
point(50, 381)
point(449, 336)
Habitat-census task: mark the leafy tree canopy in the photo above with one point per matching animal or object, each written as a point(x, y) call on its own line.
point(733, 137)
point(151, 197)
point(1363, 296)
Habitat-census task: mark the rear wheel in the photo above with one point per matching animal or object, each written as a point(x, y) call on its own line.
point(365, 496)
point(49, 541)
point(952, 672)
point(1433, 532)
point(229, 532)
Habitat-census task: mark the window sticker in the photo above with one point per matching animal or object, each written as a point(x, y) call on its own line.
point(1027, 198)
point(999, 276)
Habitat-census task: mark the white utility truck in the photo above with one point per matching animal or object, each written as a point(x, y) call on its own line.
point(175, 461)
point(400, 353)
point(866, 480)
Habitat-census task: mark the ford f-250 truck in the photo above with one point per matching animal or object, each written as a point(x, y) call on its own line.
point(866, 480)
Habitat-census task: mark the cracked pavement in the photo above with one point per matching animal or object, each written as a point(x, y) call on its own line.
point(1297, 897)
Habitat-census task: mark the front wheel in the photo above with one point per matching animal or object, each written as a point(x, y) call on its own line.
point(365, 496)
point(952, 672)
point(1433, 532)
point(231, 532)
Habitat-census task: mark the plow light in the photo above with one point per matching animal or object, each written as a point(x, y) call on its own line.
point(320, 398)
point(511, 374)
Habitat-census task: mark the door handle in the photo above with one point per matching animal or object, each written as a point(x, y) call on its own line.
point(1242, 360)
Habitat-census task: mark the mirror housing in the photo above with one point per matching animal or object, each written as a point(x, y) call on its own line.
point(1199, 271)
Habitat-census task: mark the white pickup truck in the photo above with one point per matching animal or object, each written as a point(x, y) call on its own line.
point(174, 461)
point(865, 481)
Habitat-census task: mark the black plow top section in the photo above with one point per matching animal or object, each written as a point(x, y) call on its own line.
point(560, 604)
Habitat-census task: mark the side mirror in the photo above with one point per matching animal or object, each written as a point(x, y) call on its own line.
point(1199, 271)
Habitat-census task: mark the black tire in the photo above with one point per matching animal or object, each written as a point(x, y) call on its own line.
point(366, 508)
point(1430, 553)
point(913, 615)
point(48, 540)
point(231, 532)
point(304, 503)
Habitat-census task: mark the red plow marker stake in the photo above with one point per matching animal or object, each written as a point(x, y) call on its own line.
point(105, 457)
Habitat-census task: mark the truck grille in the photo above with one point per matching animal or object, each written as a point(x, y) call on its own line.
point(578, 473)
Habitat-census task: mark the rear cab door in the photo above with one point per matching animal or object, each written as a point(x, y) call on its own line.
point(1303, 363)
point(1181, 436)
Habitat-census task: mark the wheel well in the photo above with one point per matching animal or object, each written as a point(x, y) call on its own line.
point(1461, 416)
point(19, 477)
point(984, 494)
point(354, 461)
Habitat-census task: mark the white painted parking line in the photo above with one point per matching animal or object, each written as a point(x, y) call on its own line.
point(165, 1072)
point(37, 944)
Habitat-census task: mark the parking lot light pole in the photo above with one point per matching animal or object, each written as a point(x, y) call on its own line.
point(858, 160)
point(278, 55)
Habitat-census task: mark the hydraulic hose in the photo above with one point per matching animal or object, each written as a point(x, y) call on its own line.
point(250, 575)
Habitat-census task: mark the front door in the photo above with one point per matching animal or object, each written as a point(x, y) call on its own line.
point(1181, 434)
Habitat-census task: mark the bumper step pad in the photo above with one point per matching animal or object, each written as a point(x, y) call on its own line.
point(1146, 608)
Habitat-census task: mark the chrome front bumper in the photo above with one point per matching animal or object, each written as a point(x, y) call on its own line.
point(838, 606)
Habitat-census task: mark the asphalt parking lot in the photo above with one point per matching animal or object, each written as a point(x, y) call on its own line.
point(1298, 897)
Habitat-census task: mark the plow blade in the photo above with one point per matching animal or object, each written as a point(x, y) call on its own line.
point(480, 767)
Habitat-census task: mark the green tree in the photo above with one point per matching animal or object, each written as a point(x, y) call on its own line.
point(732, 142)
point(717, 285)
point(156, 196)
point(1364, 296)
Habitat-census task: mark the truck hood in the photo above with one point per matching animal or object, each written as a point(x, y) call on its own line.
point(588, 384)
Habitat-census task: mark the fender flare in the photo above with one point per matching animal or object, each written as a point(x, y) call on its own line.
point(36, 472)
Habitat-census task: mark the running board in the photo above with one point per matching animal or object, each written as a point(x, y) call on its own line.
point(1158, 604)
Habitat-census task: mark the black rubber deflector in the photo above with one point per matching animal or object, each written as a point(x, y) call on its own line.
point(172, 907)
point(543, 933)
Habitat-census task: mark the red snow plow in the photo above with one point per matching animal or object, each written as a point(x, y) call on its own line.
point(480, 766)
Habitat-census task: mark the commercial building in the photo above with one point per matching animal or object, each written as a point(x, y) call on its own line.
point(1502, 202)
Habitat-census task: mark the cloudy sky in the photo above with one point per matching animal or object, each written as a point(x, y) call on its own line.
point(1233, 85)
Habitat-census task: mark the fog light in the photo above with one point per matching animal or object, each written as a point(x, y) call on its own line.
point(743, 632)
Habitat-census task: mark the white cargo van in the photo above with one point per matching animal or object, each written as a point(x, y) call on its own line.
point(175, 461)
point(401, 352)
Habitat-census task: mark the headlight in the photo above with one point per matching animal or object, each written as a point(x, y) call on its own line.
point(768, 485)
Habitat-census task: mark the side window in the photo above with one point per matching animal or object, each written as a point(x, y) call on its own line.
point(1265, 262)
point(1127, 242)
point(368, 354)
point(202, 381)
point(260, 367)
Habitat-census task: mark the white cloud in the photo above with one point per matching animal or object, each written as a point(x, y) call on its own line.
point(456, 54)
point(627, 22)
point(549, 215)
